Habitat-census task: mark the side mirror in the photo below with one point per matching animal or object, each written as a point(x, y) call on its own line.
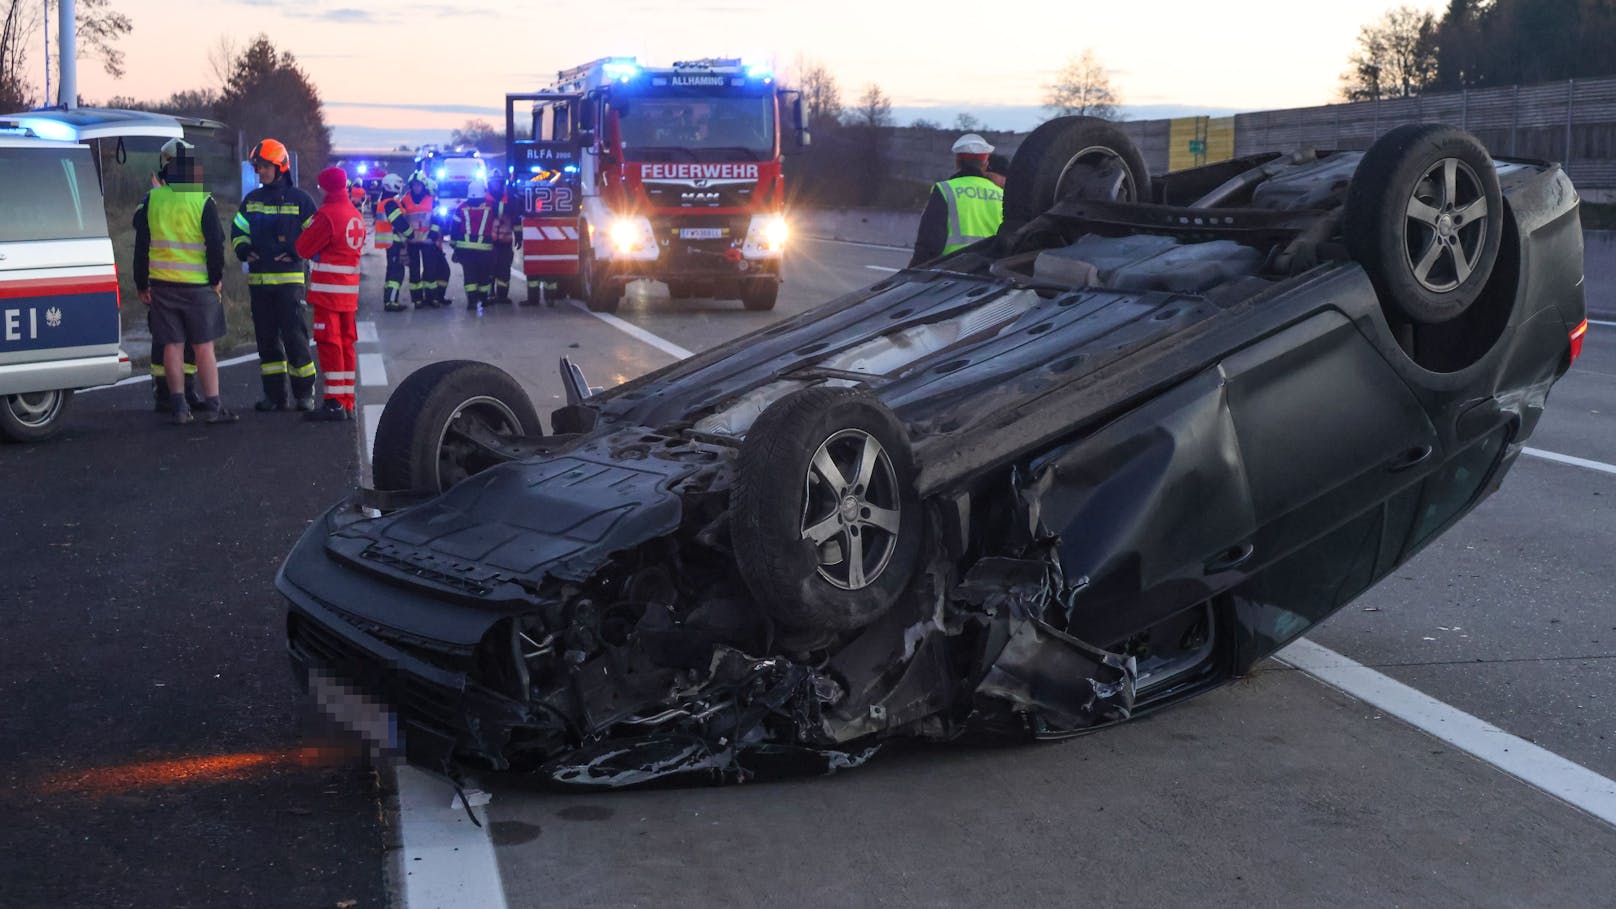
point(586, 117)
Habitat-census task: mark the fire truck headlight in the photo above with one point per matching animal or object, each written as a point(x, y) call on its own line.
point(775, 233)
point(625, 234)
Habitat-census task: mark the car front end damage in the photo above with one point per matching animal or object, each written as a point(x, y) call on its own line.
point(561, 616)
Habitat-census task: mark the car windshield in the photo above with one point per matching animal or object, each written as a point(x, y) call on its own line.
point(49, 193)
point(697, 126)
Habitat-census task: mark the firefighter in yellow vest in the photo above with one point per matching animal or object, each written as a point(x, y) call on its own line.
point(963, 209)
point(179, 267)
point(391, 228)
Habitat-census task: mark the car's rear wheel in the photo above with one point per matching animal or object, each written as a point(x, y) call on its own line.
point(825, 522)
point(1073, 158)
point(35, 416)
point(441, 422)
point(1424, 217)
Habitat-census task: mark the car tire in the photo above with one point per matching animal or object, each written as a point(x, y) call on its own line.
point(680, 290)
point(421, 438)
point(1424, 217)
point(568, 287)
point(1043, 169)
point(33, 417)
point(759, 294)
point(599, 292)
point(781, 495)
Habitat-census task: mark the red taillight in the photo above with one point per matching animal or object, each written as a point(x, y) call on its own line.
point(117, 292)
point(1576, 340)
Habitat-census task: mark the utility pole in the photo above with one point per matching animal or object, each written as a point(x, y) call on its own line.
point(68, 56)
point(46, 18)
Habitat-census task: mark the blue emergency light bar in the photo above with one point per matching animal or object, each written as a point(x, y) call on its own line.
point(621, 70)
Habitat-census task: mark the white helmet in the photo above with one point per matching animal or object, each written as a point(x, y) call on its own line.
point(476, 189)
point(172, 149)
point(972, 144)
point(393, 183)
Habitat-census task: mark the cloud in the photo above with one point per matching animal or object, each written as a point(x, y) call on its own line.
point(343, 16)
point(425, 108)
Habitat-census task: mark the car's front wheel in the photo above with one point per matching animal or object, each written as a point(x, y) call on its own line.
point(600, 293)
point(445, 422)
point(759, 294)
point(825, 522)
point(1073, 158)
point(35, 416)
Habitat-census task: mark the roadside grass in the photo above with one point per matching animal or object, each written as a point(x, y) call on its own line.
point(137, 339)
point(1598, 216)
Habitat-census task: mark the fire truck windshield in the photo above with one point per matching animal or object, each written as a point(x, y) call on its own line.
point(679, 126)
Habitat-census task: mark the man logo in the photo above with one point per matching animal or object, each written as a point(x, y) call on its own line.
point(53, 317)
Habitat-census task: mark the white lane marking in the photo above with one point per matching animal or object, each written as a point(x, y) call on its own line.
point(447, 860)
point(371, 370)
point(1600, 466)
point(1535, 766)
point(233, 361)
point(628, 328)
point(1606, 324)
point(635, 331)
point(881, 268)
point(856, 243)
point(372, 414)
point(367, 332)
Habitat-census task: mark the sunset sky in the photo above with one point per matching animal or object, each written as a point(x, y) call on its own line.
point(409, 71)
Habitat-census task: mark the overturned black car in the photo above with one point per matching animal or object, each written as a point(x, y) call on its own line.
point(1099, 463)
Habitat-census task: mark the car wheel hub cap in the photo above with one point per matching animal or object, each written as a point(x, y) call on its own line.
point(851, 509)
point(1446, 225)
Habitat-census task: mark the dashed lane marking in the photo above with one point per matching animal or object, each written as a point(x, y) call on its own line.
point(1606, 324)
point(371, 413)
point(881, 268)
point(367, 332)
point(857, 243)
point(1600, 466)
point(1535, 766)
point(447, 861)
point(371, 370)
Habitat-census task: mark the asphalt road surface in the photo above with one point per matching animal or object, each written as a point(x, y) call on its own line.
point(1277, 790)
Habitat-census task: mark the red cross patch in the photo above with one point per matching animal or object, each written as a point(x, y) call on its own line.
point(356, 233)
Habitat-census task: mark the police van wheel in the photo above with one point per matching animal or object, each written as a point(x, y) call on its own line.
point(1073, 158)
point(33, 417)
point(441, 422)
point(759, 294)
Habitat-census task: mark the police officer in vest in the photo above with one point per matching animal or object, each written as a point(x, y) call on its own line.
point(263, 236)
point(179, 264)
point(964, 208)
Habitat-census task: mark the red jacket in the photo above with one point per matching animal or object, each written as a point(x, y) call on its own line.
point(334, 237)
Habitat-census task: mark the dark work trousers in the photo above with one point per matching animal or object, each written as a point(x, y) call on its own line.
point(283, 341)
point(435, 273)
point(500, 280)
point(397, 257)
point(417, 261)
point(474, 267)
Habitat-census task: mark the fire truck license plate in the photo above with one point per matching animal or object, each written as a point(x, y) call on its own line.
point(701, 233)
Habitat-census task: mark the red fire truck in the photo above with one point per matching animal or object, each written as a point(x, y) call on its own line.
point(672, 174)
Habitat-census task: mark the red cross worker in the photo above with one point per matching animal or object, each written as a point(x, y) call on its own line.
point(333, 240)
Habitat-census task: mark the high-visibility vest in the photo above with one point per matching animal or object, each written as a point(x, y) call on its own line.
point(384, 224)
point(179, 254)
point(420, 215)
point(474, 226)
point(975, 210)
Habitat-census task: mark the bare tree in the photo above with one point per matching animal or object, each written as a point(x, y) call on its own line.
point(478, 134)
point(99, 29)
point(821, 97)
point(874, 109)
point(1396, 57)
point(1082, 88)
point(967, 123)
point(222, 61)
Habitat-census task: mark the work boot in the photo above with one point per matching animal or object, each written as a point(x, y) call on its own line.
point(268, 406)
point(182, 417)
point(332, 412)
point(394, 307)
point(306, 404)
point(218, 414)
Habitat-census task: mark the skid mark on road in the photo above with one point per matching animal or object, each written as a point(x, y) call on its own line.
point(1535, 766)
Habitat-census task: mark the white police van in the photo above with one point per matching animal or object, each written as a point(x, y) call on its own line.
point(59, 328)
